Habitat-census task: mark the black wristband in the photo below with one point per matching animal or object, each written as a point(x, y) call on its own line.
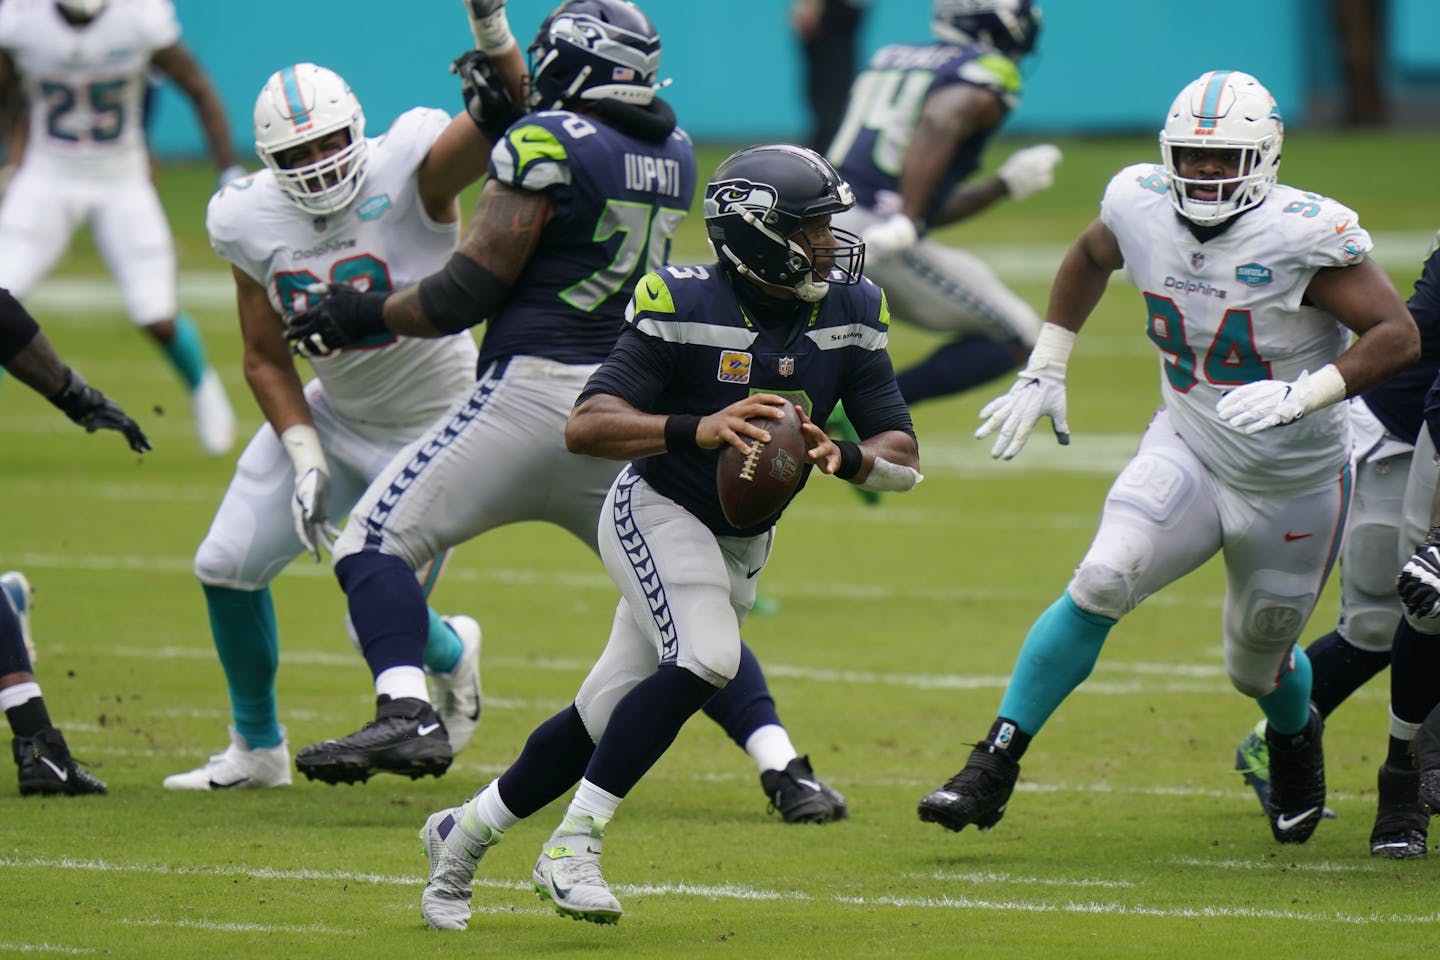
point(851, 458)
point(680, 432)
point(1432, 539)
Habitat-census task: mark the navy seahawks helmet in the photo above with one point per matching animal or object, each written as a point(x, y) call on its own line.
point(594, 50)
point(1010, 26)
point(760, 198)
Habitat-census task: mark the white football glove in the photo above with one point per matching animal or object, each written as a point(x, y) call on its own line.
point(893, 235)
point(1038, 391)
point(1272, 403)
point(1419, 583)
point(1030, 170)
point(310, 506)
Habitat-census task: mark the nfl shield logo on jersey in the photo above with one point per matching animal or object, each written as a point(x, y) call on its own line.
point(1197, 260)
point(787, 366)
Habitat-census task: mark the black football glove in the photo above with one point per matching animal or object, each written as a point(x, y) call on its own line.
point(487, 101)
point(1419, 583)
point(94, 411)
point(343, 318)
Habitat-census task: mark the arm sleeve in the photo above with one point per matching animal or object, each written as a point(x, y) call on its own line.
point(872, 398)
point(17, 327)
point(636, 370)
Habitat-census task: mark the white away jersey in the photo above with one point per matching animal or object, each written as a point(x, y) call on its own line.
point(383, 241)
point(1228, 312)
point(85, 85)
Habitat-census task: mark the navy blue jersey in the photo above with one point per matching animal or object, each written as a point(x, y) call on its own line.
point(617, 200)
point(885, 103)
point(1400, 402)
point(688, 347)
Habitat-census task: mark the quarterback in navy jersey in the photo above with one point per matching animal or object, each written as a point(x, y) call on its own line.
point(697, 340)
point(601, 156)
point(784, 308)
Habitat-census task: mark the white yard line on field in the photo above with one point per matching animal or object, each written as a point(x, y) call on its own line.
point(228, 927)
point(44, 948)
point(733, 891)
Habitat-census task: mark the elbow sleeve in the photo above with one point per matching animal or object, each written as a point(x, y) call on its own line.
point(461, 295)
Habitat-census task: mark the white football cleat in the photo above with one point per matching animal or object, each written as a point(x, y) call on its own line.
point(214, 417)
point(239, 767)
point(454, 855)
point(568, 875)
point(457, 693)
point(22, 598)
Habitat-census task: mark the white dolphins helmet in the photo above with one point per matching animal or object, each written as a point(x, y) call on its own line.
point(304, 102)
point(1223, 110)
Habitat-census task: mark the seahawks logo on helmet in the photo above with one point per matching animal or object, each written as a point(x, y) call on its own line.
point(584, 32)
point(738, 197)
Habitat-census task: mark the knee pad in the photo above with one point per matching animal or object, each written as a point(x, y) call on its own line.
point(1370, 627)
point(1269, 626)
point(1367, 563)
point(221, 562)
point(1101, 589)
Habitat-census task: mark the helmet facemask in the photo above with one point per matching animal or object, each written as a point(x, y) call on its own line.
point(302, 104)
point(1223, 110)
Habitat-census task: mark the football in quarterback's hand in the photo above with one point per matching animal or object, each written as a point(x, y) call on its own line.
point(752, 489)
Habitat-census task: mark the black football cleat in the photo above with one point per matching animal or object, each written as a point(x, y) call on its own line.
point(406, 737)
point(977, 794)
point(1401, 823)
point(1297, 781)
point(802, 797)
point(1427, 758)
point(47, 769)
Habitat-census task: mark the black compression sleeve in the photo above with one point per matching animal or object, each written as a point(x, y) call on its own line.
point(461, 295)
point(17, 327)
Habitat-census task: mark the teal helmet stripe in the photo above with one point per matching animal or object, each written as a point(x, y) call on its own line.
point(1210, 105)
point(299, 113)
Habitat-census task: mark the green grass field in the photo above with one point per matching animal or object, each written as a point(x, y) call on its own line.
point(1129, 835)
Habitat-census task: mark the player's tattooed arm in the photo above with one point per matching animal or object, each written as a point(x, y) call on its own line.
point(503, 235)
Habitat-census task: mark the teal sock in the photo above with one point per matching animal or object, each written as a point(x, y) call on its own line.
point(1057, 656)
point(442, 645)
point(186, 352)
point(242, 623)
point(1287, 707)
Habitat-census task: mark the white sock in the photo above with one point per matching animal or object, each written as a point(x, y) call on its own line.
point(488, 809)
point(398, 682)
point(591, 804)
point(770, 747)
point(14, 696)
